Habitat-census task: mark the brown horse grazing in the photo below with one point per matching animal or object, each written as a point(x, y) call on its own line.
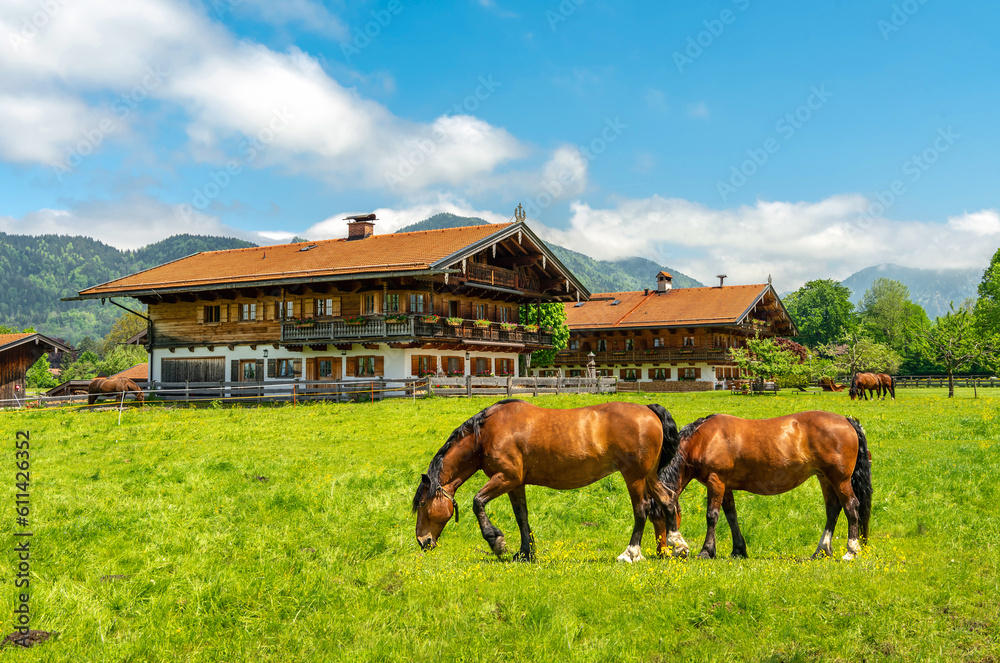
point(768, 457)
point(888, 384)
point(113, 387)
point(865, 382)
point(517, 444)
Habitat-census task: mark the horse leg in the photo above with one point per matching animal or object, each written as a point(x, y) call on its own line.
point(636, 491)
point(729, 507)
point(495, 487)
point(667, 527)
point(519, 503)
point(716, 492)
point(832, 514)
point(845, 493)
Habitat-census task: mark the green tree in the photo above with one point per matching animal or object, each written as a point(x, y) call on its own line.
point(86, 366)
point(122, 357)
point(764, 359)
point(546, 316)
point(822, 311)
point(987, 308)
point(888, 316)
point(39, 376)
point(863, 355)
point(123, 329)
point(955, 344)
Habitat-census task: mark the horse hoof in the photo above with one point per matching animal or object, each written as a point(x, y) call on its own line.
point(705, 554)
point(631, 554)
point(848, 557)
point(522, 556)
point(499, 545)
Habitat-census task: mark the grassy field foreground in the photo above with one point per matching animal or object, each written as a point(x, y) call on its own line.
point(284, 534)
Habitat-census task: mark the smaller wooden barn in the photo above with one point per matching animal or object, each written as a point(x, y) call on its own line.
point(17, 353)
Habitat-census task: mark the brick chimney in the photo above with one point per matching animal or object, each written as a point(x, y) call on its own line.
point(360, 226)
point(664, 282)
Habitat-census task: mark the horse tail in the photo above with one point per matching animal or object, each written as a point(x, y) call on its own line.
point(861, 479)
point(671, 438)
point(892, 386)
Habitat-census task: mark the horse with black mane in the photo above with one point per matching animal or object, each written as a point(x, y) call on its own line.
point(769, 457)
point(517, 444)
point(865, 382)
point(117, 387)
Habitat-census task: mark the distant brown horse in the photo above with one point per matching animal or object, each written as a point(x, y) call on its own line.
point(113, 387)
point(768, 457)
point(888, 384)
point(864, 384)
point(517, 444)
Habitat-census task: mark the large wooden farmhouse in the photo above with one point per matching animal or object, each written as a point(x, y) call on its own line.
point(393, 305)
point(669, 339)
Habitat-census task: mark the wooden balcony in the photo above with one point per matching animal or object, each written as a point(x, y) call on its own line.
point(497, 276)
point(575, 358)
point(411, 328)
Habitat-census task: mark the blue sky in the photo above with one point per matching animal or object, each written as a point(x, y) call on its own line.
point(801, 140)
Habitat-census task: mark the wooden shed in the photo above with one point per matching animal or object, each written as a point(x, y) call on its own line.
point(17, 353)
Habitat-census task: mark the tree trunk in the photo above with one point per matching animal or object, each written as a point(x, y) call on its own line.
point(951, 384)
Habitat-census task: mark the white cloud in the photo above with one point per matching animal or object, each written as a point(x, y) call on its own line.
point(698, 110)
point(305, 14)
point(232, 92)
point(37, 128)
point(792, 241)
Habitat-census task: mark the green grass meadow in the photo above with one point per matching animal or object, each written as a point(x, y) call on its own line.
point(285, 534)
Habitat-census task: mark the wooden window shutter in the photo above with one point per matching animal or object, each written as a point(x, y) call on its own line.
point(259, 370)
point(272, 368)
point(623, 374)
point(297, 368)
point(433, 364)
point(496, 366)
point(379, 365)
point(667, 374)
point(461, 364)
point(697, 374)
point(352, 366)
point(268, 310)
point(234, 366)
point(650, 373)
point(335, 307)
point(414, 365)
point(310, 305)
point(258, 311)
point(224, 313)
point(201, 315)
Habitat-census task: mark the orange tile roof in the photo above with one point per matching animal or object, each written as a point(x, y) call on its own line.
point(137, 372)
point(10, 338)
point(676, 307)
point(394, 252)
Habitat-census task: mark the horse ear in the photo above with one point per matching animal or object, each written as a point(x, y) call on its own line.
point(425, 480)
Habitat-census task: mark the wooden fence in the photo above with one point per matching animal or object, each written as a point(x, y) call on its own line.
point(278, 391)
point(942, 381)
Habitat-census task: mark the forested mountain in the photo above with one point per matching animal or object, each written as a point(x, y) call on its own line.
point(597, 275)
point(933, 289)
point(36, 271)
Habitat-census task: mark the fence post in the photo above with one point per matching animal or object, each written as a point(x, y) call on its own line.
point(510, 385)
point(535, 389)
point(222, 389)
point(187, 391)
point(430, 386)
point(468, 385)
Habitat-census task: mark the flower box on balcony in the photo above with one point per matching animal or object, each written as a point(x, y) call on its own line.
point(508, 326)
point(395, 319)
point(455, 322)
point(430, 319)
point(481, 324)
point(355, 321)
point(531, 328)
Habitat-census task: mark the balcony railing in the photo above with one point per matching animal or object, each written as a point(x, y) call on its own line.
point(374, 329)
point(492, 275)
point(643, 356)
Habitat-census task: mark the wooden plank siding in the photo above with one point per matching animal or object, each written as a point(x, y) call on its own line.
point(184, 323)
point(14, 364)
